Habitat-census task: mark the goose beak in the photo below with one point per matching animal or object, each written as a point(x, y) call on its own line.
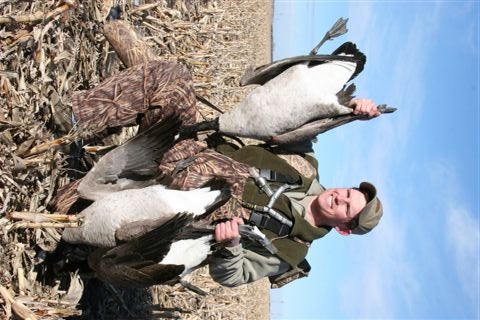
point(383, 108)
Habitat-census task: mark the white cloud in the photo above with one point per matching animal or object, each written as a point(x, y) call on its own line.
point(386, 277)
point(362, 16)
point(405, 89)
point(397, 265)
point(382, 275)
point(465, 238)
point(462, 230)
point(397, 68)
point(398, 64)
point(470, 38)
point(287, 13)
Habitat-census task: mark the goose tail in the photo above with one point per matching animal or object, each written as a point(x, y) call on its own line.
point(157, 139)
point(350, 49)
point(346, 95)
point(218, 184)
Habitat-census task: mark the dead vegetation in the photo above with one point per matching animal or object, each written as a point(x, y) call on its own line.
point(48, 49)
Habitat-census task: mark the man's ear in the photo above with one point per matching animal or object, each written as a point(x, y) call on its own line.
point(343, 230)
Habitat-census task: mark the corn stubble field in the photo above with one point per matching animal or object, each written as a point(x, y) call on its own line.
point(48, 49)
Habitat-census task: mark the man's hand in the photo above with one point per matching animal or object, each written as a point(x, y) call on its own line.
point(364, 106)
point(228, 232)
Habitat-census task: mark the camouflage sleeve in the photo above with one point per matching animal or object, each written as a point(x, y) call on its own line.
point(234, 266)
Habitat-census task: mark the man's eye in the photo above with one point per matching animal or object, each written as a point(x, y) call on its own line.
point(348, 203)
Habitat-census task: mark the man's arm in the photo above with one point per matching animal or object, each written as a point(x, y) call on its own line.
point(234, 265)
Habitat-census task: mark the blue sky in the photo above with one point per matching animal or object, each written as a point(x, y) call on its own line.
point(422, 261)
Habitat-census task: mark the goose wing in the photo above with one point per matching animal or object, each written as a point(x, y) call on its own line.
point(136, 263)
point(311, 129)
point(133, 164)
point(346, 52)
point(263, 74)
point(131, 271)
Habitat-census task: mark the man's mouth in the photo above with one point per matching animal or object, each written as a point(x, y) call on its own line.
point(330, 201)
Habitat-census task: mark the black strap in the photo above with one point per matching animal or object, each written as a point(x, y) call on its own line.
point(264, 221)
point(272, 175)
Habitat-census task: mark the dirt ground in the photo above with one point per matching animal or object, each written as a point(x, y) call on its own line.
point(48, 50)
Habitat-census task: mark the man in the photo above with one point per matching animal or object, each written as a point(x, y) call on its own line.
point(313, 211)
point(145, 93)
point(347, 210)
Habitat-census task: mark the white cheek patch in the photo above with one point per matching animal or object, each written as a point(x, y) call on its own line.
point(189, 253)
point(194, 201)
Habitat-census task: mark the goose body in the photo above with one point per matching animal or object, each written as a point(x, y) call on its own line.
point(128, 201)
point(299, 98)
point(129, 213)
point(164, 254)
point(294, 97)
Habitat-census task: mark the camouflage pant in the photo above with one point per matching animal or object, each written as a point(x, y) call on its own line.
point(144, 94)
point(209, 164)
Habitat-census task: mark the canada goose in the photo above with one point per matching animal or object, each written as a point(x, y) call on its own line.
point(127, 214)
point(165, 254)
point(299, 97)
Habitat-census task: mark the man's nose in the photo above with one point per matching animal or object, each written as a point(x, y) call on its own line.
point(342, 199)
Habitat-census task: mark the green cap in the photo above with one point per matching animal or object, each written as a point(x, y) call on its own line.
point(373, 211)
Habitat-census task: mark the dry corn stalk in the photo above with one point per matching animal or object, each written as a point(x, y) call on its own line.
point(37, 16)
point(47, 56)
point(18, 308)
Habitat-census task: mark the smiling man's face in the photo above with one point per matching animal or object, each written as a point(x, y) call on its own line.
point(339, 206)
